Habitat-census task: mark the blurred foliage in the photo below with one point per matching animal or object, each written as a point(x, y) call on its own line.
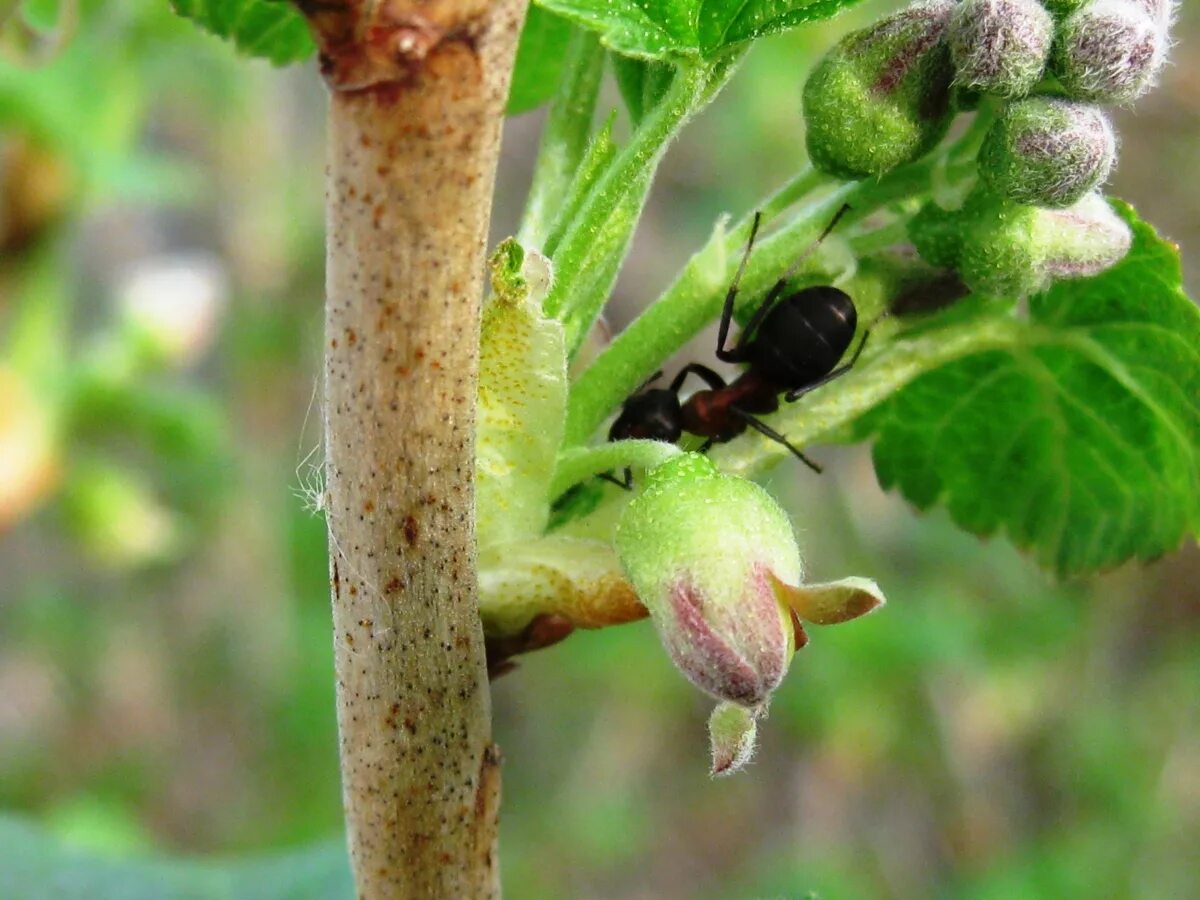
point(165, 661)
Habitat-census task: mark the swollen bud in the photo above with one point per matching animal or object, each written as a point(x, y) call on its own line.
point(1048, 152)
point(937, 235)
point(704, 552)
point(715, 561)
point(1109, 51)
point(881, 97)
point(1000, 46)
point(1010, 250)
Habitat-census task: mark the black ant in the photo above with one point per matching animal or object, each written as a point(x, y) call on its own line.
point(790, 347)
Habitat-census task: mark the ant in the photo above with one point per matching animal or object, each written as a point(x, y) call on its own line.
point(789, 347)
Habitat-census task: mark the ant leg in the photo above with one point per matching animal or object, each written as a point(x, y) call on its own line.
point(706, 446)
point(731, 295)
point(627, 484)
point(837, 217)
point(793, 396)
point(766, 430)
point(711, 378)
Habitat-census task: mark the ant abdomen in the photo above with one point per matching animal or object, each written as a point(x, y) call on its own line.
point(804, 336)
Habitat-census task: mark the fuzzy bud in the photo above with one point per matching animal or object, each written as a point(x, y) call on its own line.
point(704, 552)
point(1048, 152)
point(1000, 46)
point(1012, 250)
point(881, 97)
point(715, 561)
point(936, 233)
point(1110, 51)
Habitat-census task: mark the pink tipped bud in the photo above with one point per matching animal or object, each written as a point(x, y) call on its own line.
point(704, 552)
point(1043, 151)
point(715, 561)
point(1000, 46)
point(1110, 51)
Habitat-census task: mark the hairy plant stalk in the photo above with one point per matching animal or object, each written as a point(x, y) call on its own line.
point(417, 96)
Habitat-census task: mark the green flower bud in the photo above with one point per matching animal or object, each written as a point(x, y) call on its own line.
point(881, 97)
point(1109, 51)
point(1000, 46)
point(936, 233)
point(1010, 250)
point(715, 561)
point(704, 552)
point(1048, 152)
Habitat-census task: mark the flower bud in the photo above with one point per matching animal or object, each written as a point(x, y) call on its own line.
point(1048, 152)
point(936, 233)
point(703, 552)
point(1110, 51)
point(715, 561)
point(881, 97)
point(1000, 46)
point(1011, 250)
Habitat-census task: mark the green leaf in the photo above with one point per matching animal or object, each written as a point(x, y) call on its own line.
point(659, 29)
point(35, 866)
point(272, 29)
point(540, 59)
point(1082, 441)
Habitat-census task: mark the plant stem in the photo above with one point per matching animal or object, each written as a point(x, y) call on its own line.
point(580, 463)
point(564, 137)
point(414, 127)
point(593, 246)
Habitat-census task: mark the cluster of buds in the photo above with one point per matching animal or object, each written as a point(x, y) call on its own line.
point(714, 559)
point(885, 95)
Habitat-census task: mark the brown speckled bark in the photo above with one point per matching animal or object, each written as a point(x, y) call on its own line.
point(415, 111)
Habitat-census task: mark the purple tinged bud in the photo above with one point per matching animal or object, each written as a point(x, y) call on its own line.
point(1000, 46)
point(1085, 239)
point(704, 552)
point(881, 97)
point(1013, 250)
point(1110, 51)
point(715, 561)
point(1048, 152)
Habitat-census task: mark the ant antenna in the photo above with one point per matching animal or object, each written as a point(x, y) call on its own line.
point(795, 267)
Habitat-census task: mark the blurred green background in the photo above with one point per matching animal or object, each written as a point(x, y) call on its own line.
point(165, 660)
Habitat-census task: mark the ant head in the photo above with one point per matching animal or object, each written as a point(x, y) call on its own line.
point(651, 415)
point(804, 335)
